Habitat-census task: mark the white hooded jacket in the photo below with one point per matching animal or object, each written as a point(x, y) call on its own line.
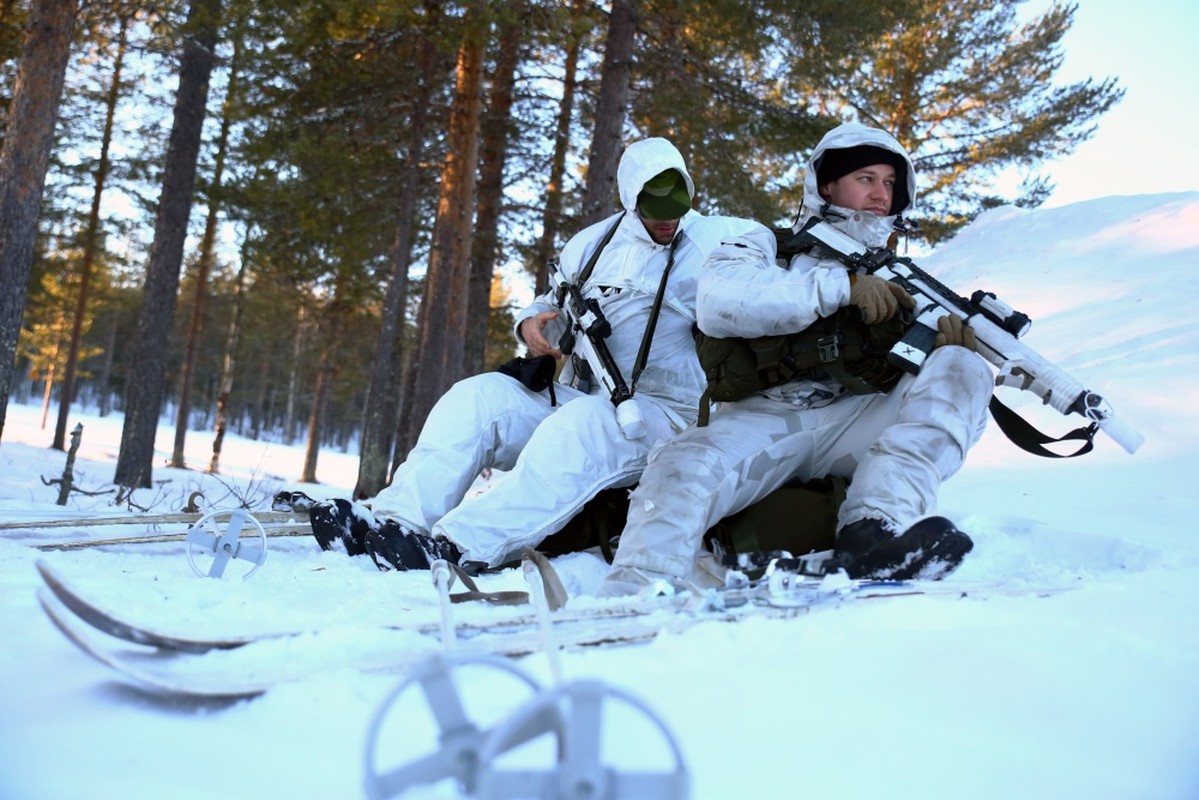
point(743, 292)
point(898, 446)
point(626, 277)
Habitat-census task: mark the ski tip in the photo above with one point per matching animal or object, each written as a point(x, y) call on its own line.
point(44, 569)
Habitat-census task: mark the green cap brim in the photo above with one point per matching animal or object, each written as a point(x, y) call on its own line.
point(664, 196)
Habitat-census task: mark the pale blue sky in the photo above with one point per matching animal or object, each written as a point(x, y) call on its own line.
point(1146, 144)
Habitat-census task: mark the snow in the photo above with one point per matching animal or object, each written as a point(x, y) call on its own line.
point(1089, 692)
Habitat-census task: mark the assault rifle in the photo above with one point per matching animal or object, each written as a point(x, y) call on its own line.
point(587, 330)
point(996, 325)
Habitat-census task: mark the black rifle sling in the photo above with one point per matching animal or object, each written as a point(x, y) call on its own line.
point(648, 336)
point(1017, 429)
point(1022, 434)
point(585, 273)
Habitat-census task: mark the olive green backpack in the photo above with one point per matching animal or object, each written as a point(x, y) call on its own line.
point(799, 517)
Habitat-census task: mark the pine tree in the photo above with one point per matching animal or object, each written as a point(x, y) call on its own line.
point(206, 256)
point(380, 415)
point(497, 130)
point(611, 111)
point(552, 212)
point(969, 92)
point(148, 374)
point(92, 229)
point(442, 318)
point(23, 164)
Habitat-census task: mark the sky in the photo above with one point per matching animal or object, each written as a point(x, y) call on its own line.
point(1152, 47)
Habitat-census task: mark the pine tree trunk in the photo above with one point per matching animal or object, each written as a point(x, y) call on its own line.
point(444, 306)
point(493, 156)
point(225, 385)
point(204, 265)
point(316, 419)
point(28, 139)
point(610, 112)
point(293, 379)
point(259, 418)
point(90, 241)
point(552, 216)
point(148, 371)
point(104, 378)
point(381, 409)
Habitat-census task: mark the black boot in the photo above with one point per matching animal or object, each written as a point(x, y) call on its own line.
point(292, 501)
point(333, 521)
point(392, 546)
point(930, 549)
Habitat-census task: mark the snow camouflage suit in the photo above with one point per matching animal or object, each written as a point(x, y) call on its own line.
point(560, 457)
point(898, 447)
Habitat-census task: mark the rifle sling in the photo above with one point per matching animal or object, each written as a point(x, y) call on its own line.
point(647, 337)
point(585, 273)
point(1027, 438)
point(1016, 428)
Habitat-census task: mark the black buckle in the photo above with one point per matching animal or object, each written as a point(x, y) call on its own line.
point(829, 348)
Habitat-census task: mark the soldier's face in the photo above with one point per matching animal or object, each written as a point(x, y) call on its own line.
point(661, 231)
point(866, 189)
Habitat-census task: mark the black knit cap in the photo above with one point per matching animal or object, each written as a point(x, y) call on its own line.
point(838, 163)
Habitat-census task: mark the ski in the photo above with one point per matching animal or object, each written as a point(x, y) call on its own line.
point(254, 667)
point(135, 519)
point(272, 529)
point(244, 666)
point(120, 626)
point(31, 532)
point(498, 619)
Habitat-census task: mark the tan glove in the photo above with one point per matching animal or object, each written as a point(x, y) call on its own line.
point(952, 330)
point(877, 298)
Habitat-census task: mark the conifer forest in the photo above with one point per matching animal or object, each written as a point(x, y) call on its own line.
point(305, 219)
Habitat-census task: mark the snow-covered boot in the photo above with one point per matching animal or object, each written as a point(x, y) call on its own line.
point(335, 521)
point(930, 549)
point(292, 501)
point(392, 546)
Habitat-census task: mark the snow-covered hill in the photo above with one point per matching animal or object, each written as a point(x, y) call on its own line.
point(1093, 692)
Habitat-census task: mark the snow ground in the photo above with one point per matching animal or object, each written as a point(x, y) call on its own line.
point(1091, 692)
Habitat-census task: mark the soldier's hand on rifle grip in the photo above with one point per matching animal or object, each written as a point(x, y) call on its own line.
point(532, 331)
point(952, 330)
point(877, 298)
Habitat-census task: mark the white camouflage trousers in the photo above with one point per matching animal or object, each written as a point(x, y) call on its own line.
point(897, 447)
point(559, 457)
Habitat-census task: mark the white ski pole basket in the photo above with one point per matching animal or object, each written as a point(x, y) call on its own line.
point(460, 741)
point(574, 714)
point(218, 536)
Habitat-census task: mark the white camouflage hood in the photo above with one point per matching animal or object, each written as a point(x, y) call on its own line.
point(642, 161)
point(852, 134)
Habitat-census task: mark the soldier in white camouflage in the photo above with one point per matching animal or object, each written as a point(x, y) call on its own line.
point(558, 451)
point(896, 446)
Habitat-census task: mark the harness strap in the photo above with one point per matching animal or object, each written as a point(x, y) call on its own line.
point(555, 593)
point(506, 598)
